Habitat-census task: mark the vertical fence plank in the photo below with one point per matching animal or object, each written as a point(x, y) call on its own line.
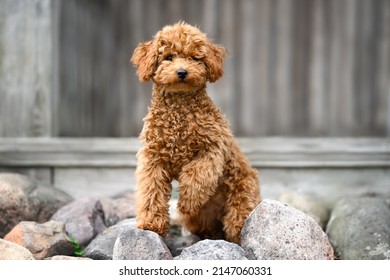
point(26, 72)
point(282, 67)
point(334, 65)
point(364, 65)
point(253, 96)
point(342, 85)
point(346, 87)
point(318, 63)
point(382, 113)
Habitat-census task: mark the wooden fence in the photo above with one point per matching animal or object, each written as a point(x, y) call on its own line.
point(295, 67)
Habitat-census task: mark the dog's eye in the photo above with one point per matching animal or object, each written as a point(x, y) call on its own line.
point(169, 57)
point(195, 58)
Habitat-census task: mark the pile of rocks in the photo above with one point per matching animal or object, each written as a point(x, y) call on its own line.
point(38, 222)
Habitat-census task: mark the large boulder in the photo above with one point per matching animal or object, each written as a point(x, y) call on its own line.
point(101, 247)
point(23, 199)
point(83, 218)
point(118, 208)
point(359, 228)
point(42, 240)
point(13, 251)
point(212, 250)
point(67, 258)
point(276, 231)
point(138, 244)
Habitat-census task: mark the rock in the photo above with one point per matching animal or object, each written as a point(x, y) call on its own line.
point(12, 251)
point(359, 228)
point(101, 247)
point(45, 201)
point(212, 250)
point(118, 208)
point(138, 244)
point(83, 218)
point(42, 240)
point(177, 244)
point(23, 199)
point(67, 258)
point(14, 205)
point(308, 205)
point(276, 231)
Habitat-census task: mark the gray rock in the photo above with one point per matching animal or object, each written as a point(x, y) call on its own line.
point(67, 258)
point(212, 250)
point(308, 205)
point(12, 251)
point(42, 240)
point(83, 218)
point(276, 231)
point(45, 201)
point(23, 199)
point(14, 206)
point(101, 247)
point(359, 228)
point(118, 208)
point(177, 244)
point(138, 244)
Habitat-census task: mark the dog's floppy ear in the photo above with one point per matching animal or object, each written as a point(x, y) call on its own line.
point(214, 61)
point(145, 59)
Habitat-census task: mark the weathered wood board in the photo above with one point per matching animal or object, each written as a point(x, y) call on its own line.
point(105, 166)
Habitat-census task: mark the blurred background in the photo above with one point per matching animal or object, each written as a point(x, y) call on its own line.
point(307, 68)
point(306, 90)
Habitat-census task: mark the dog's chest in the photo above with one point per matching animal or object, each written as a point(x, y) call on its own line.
point(179, 132)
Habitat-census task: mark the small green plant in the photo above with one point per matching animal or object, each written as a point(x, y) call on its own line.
point(78, 250)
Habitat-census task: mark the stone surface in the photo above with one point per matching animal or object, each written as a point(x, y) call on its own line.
point(42, 240)
point(308, 205)
point(359, 228)
point(83, 218)
point(67, 258)
point(276, 231)
point(14, 206)
point(137, 244)
point(45, 201)
point(212, 250)
point(118, 208)
point(101, 247)
point(23, 199)
point(12, 251)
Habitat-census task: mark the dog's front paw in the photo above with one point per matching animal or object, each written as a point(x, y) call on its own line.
point(162, 231)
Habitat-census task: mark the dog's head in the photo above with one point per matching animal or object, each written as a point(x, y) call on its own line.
point(179, 59)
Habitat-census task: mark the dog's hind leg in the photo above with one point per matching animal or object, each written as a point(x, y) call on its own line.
point(243, 197)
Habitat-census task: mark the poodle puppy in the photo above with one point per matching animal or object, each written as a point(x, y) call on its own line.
point(186, 138)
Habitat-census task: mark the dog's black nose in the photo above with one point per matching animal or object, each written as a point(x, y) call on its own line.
point(182, 73)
